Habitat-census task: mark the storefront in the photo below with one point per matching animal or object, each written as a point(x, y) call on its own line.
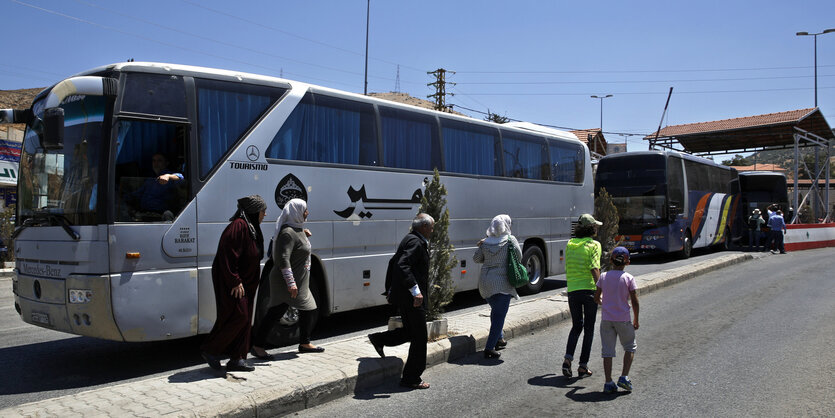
point(9, 157)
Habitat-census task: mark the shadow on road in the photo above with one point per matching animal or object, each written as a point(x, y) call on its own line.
point(84, 362)
point(572, 383)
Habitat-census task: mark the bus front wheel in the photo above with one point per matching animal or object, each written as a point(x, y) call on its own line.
point(534, 262)
point(687, 248)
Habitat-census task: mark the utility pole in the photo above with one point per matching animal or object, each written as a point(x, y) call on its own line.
point(440, 89)
point(367, 19)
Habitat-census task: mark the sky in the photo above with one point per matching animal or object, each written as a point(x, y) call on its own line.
point(536, 61)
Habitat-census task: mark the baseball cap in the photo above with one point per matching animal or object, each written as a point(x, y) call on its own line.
point(588, 220)
point(620, 254)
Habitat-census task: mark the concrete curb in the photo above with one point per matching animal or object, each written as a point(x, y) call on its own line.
point(347, 366)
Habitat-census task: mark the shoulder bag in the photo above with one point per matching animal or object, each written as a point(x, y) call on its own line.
point(517, 274)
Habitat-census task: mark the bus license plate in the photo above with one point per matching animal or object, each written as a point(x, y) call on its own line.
point(40, 318)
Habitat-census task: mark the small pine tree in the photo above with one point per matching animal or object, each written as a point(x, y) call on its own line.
point(606, 212)
point(441, 258)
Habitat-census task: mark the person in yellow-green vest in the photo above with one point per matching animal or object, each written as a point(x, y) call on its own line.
point(582, 270)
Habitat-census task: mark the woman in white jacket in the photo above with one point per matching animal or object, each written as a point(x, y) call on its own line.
point(492, 282)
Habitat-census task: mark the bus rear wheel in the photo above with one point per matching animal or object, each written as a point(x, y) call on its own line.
point(534, 262)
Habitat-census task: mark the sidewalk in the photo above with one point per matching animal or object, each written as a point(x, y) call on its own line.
point(297, 381)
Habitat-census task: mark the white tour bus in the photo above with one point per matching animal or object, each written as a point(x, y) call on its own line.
point(99, 252)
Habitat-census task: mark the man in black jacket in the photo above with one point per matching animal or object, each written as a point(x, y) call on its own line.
point(407, 285)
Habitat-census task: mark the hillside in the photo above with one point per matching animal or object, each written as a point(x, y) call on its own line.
point(18, 99)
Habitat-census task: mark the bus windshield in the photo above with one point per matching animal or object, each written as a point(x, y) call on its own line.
point(637, 186)
point(63, 181)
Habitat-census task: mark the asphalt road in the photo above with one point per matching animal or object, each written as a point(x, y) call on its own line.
point(752, 340)
point(43, 364)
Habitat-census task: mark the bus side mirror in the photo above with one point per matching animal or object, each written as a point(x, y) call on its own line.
point(672, 211)
point(53, 131)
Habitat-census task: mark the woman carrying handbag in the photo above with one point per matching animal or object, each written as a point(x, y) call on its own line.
point(493, 284)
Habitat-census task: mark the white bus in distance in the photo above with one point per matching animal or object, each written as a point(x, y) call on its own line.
point(100, 251)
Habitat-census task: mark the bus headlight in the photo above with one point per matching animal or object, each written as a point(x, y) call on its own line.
point(81, 295)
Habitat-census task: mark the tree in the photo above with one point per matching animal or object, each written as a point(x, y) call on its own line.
point(441, 258)
point(606, 212)
point(493, 117)
point(738, 160)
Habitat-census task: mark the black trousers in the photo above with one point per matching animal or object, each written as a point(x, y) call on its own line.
point(583, 315)
point(413, 332)
point(262, 328)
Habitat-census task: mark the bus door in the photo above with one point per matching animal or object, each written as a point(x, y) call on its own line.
point(153, 240)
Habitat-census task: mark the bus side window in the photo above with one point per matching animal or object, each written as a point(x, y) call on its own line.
point(410, 139)
point(567, 162)
point(146, 151)
point(524, 156)
point(675, 186)
point(328, 129)
point(471, 148)
point(225, 112)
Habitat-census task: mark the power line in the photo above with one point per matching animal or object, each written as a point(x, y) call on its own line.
point(638, 81)
point(643, 71)
point(206, 38)
point(272, 28)
point(648, 92)
point(197, 51)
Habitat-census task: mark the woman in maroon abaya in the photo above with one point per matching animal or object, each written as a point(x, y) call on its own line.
point(235, 274)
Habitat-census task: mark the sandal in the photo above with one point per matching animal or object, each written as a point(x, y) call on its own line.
point(566, 368)
point(421, 385)
point(583, 371)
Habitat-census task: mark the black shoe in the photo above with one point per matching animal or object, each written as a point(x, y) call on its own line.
point(212, 360)
point(492, 354)
point(311, 350)
point(421, 385)
point(566, 368)
point(239, 366)
point(268, 356)
point(583, 371)
point(501, 344)
point(377, 345)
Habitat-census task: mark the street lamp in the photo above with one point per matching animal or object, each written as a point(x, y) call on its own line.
point(367, 20)
point(815, 35)
point(601, 112)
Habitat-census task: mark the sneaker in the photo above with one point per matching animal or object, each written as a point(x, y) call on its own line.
point(610, 387)
point(625, 383)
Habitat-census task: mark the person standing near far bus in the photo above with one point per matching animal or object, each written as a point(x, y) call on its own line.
point(582, 270)
point(289, 279)
point(755, 223)
point(409, 279)
point(778, 229)
point(235, 272)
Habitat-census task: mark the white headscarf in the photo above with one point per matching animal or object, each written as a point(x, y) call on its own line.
point(291, 215)
point(499, 226)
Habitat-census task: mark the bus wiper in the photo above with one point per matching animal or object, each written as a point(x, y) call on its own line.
point(26, 223)
point(39, 218)
point(62, 221)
